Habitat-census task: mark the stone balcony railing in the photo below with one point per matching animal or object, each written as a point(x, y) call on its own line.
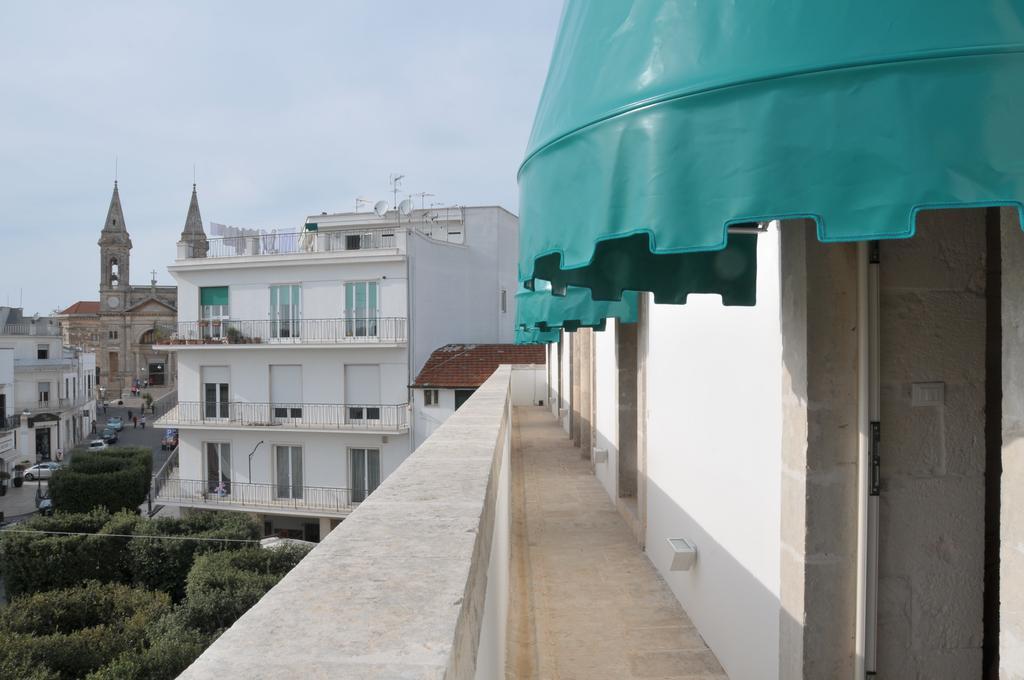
point(413, 584)
point(363, 330)
point(385, 418)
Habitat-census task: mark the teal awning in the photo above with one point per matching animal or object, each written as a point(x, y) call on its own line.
point(662, 124)
point(535, 337)
point(539, 309)
point(213, 295)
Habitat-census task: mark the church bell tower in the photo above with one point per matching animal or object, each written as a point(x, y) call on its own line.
point(115, 252)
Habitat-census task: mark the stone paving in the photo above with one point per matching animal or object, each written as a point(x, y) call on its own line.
point(585, 602)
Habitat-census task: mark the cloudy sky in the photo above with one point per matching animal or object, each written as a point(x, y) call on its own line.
point(286, 109)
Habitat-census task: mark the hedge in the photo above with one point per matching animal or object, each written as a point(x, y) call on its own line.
point(32, 563)
point(170, 648)
point(115, 479)
point(70, 632)
point(224, 585)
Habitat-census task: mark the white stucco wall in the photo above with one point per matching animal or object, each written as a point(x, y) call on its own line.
point(565, 363)
point(529, 385)
point(606, 407)
point(714, 464)
point(426, 419)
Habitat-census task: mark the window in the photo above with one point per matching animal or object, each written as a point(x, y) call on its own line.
point(362, 393)
point(218, 468)
point(67, 387)
point(213, 310)
point(461, 396)
point(44, 393)
point(42, 352)
point(430, 397)
point(361, 310)
point(365, 472)
point(288, 465)
point(215, 392)
point(112, 335)
point(285, 311)
point(286, 391)
point(504, 301)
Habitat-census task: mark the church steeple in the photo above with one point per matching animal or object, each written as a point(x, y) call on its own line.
point(114, 229)
point(193, 236)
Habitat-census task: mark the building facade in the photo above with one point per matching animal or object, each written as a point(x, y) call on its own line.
point(47, 391)
point(127, 321)
point(295, 353)
point(453, 373)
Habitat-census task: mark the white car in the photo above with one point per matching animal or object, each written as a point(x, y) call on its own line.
point(97, 445)
point(42, 471)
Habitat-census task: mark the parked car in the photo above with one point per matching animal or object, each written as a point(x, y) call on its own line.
point(97, 445)
point(42, 471)
point(114, 423)
point(170, 440)
point(109, 436)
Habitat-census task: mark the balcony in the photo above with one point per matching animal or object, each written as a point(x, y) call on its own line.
point(382, 418)
point(297, 243)
point(494, 552)
point(376, 331)
point(10, 422)
point(47, 328)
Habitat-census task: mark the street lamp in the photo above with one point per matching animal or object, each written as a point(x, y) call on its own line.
point(250, 459)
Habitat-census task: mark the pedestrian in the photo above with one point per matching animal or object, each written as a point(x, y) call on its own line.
point(60, 454)
point(135, 423)
point(129, 414)
point(104, 408)
point(142, 421)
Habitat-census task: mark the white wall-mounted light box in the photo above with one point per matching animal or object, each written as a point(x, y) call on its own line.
point(684, 554)
point(600, 455)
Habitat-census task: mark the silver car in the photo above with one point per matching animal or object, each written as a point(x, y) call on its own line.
point(42, 471)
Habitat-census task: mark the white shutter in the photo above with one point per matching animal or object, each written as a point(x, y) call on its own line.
point(286, 384)
point(216, 374)
point(362, 384)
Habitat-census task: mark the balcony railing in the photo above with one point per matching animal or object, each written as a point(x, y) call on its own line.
point(377, 329)
point(9, 422)
point(276, 496)
point(298, 242)
point(374, 417)
point(59, 403)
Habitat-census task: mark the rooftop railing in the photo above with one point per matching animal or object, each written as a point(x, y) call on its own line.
point(44, 328)
point(371, 417)
point(352, 330)
point(300, 242)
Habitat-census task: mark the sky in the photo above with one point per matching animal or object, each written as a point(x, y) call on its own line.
point(284, 110)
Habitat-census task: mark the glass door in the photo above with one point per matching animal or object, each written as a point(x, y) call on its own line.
point(215, 397)
point(365, 472)
point(218, 468)
point(285, 311)
point(361, 310)
point(288, 465)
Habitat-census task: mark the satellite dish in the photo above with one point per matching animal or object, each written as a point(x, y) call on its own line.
point(381, 208)
point(405, 207)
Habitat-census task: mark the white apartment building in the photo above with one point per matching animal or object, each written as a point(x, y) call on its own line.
point(296, 352)
point(47, 391)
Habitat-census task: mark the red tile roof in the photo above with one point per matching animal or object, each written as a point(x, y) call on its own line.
point(83, 307)
point(471, 365)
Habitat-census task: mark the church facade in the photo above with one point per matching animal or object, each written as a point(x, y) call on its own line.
point(128, 320)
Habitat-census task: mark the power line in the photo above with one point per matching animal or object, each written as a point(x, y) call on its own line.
point(171, 538)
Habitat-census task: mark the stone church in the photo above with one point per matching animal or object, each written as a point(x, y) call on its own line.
point(128, 321)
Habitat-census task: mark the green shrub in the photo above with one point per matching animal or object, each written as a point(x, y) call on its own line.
point(36, 562)
point(74, 631)
point(171, 647)
point(163, 564)
point(115, 479)
point(222, 586)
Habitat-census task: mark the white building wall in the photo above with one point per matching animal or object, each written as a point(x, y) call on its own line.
point(565, 364)
point(713, 461)
point(606, 407)
point(426, 419)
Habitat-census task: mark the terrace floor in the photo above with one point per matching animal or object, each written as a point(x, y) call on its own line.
point(585, 601)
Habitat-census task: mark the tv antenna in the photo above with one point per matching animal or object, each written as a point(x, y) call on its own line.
point(381, 208)
point(422, 195)
point(396, 184)
point(360, 201)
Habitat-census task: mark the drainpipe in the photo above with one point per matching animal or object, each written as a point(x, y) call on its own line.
point(868, 416)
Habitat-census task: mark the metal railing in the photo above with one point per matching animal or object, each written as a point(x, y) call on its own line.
point(214, 492)
point(61, 403)
point(163, 474)
point(9, 422)
point(297, 242)
point(351, 330)
point(374, 417)
point(43, 328)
